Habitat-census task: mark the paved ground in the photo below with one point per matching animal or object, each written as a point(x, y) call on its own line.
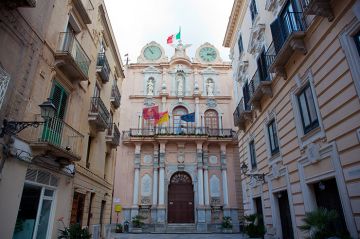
point(176, 236)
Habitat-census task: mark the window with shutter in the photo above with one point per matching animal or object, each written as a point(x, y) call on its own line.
point(59, 98)
point(262, 66)
point(357, 41)
point(240, 45)
point(277, 34)
point(253, 10)
point(246, 96)
point(252, 155)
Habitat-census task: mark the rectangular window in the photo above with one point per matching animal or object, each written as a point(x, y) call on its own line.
point(88, 153)
point(307, 110)
point(273, 139)
point(357, 41)
point(240, 45)
point(252, 155)
point(97, 91)
point(253, 10)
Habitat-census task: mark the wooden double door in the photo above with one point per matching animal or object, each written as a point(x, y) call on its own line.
point(180, 199)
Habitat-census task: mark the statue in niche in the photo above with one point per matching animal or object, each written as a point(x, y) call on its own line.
point(180, 82)
point(150, 87)
point(210, 87)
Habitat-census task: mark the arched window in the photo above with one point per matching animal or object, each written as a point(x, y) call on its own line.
point(211, 122)
point(179, 125)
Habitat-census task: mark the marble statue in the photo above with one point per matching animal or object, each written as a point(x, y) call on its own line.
point(150, 87)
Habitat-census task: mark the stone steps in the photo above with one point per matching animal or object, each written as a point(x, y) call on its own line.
point(181, 228)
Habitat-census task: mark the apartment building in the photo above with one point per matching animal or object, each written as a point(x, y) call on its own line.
point(296, 66)
point(57, 169)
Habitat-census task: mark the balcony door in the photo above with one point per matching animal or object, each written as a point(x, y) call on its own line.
point(212, 122)
point(53, 127)
point(179, 125)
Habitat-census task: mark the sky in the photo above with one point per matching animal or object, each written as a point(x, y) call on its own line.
point(138, 22)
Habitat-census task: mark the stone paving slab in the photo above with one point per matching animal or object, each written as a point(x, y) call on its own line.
point(176, 236)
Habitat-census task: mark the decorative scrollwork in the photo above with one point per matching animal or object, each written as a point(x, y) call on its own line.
point(180, 178)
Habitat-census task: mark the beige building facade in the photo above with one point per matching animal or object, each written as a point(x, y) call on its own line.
point(60, 172)
point(298, 111)
point(178, 172)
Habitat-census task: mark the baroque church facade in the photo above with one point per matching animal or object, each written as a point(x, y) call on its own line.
point(178, 172)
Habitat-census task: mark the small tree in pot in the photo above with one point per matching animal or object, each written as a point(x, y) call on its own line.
point(226, 225)
point(137, 223)
point(253, 228)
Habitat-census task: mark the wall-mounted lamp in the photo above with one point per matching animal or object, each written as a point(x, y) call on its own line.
point(13, 127)
point(257, 176)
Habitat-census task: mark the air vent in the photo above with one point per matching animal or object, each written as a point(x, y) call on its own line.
point(41, 177)
point(31, 174)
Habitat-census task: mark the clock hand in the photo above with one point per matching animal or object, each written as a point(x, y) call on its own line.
point(151, 51)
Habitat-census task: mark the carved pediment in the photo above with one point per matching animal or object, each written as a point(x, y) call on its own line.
point(256, 41)
point(209, 71)
point(242, 71)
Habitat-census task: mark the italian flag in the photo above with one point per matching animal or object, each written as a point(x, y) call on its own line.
point(173, 37)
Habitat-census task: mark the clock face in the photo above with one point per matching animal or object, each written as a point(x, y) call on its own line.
point(208, 54)
point(152, 53)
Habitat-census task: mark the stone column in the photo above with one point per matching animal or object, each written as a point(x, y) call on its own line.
point(224, 174)
point(155, 182)
point(201, 221)
point(206, 184)
point(135, 206)
point(161, 207)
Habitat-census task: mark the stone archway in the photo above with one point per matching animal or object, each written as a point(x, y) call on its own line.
point(180, 199)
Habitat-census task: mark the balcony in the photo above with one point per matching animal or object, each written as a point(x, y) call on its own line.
point(82, 7)
point(288, 35)
point(19, 3)
point(242, 114)
point(318, 8)
point(102, 67)
point(57, 139)
point(176, 132)
point(99, 116)
point(258, 88)
point(115, 96)
point(113, 136)
point(71, 58)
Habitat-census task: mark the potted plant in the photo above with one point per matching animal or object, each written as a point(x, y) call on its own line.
point(119, 228)
point(253, 228)
point(137, 223)
point(74, 231)
point(320, 224)
point(226, 225)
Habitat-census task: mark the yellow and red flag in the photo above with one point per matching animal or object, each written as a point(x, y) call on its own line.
point(163, 117)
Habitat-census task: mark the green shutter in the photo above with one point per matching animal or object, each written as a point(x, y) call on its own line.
point(59, 99)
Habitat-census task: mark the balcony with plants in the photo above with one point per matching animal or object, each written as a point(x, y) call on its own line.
point(71, 58)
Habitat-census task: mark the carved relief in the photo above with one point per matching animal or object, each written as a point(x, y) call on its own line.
point(256, 41)
point(147, 159)
point(213, 159)
point(180, 178)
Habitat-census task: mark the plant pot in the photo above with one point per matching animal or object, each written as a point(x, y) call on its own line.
point(227, 230)
point(136, 230)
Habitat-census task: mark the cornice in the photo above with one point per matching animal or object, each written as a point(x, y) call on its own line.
point(235, 17)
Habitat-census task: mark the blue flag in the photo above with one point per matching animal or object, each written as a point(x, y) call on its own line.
point(189, 117)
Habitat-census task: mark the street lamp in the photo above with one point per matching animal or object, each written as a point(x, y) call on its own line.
point(257, 176)
point(13, 127)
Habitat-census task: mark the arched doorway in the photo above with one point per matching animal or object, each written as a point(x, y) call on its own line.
point(180, 199)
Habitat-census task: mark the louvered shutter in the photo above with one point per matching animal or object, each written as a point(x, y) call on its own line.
point(59, 99)
point(277, 34)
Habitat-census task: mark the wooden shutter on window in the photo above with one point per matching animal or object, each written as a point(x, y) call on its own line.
point(59, 99)
point(277, 34)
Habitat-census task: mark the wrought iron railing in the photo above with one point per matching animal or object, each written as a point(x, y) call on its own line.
point(98, 107)
point(240, 109)
point(113, 131)
point(178, 131)
point(270, 55)
point(115, 95)
point(103, 66)
point(289, 23)
point(58, 133)
point(70, 45)
point(254, 83)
